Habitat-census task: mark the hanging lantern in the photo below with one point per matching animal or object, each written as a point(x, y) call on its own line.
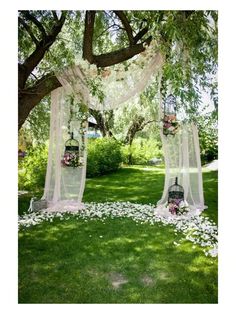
point(175, 197)
point(170, 124)
point(71, 156)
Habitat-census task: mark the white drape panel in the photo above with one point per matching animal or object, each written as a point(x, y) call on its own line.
point(64, 186)
point(116, 92)
point(182, 160)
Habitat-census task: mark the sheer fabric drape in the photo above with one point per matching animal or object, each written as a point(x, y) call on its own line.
point(116, 91)
point(182, 160)
point(64, 186)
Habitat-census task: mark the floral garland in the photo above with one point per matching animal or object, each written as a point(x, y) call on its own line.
point(78, 111)
point(95, 77)
point(177, 207)
point(170, 125)
point(72, 159)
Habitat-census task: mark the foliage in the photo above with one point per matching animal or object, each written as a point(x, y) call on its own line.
point(38, 122)
point(104, 156)
point(144, 107)
point(141, 152)
point(208, 137)
point(25, 139)
point(32, 169)
point(187, 39)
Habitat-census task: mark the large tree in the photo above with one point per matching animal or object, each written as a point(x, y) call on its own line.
point(43, 36)
point(50, 40)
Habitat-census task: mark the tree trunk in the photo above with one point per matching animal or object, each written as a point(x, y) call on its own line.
point(29, 97)
point(102, 123)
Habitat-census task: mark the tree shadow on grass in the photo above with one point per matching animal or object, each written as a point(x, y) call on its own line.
point(77, 262)
point(210, 188)
point(135, 185)
point(128, 184)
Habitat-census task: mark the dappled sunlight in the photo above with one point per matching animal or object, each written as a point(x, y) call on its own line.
point(142, 257)
point(75, 255)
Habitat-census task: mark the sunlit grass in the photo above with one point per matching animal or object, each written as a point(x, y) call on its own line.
point(116, 260)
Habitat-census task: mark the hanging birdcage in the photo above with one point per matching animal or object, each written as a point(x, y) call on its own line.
point(71, 157)
point(175, 197)
point(170, 124)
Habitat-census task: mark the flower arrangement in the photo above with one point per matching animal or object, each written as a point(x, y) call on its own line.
point(177, 207)
point(170, 125)
point(71, 159)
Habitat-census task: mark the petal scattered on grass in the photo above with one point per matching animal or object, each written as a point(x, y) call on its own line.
point(197, 229)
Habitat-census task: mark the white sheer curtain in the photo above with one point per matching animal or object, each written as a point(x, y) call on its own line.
point(116, 91)
point(64, 186)
point(182, 160)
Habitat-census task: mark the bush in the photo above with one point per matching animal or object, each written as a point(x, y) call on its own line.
point(141, 152)
point(32, 169)
point(208, 147)
point(104, 156)
point(208, 140)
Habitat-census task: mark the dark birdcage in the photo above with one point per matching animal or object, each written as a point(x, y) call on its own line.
point(170, 124)
point(175, 193)
point(71, 156)
point(170, 105)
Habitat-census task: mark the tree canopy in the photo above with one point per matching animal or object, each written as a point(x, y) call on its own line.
point(51, 40)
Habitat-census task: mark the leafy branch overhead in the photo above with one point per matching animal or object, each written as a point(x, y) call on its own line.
point(30, 93)
point(114, 57)
point(52, 40)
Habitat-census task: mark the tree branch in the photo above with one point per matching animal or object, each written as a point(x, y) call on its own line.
point(33, 60)
point(28, 29)
point(126, 25)
point(137, 125)
point(114, 57)
point(55, 15)
point(33, 19)
point(30, 97)
point(88, 36)
point(121, 55)
point(140, 34)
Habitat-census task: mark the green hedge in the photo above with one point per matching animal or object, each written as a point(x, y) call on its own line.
point(141, 152)
point(104, 156)
point(208, 147)
point(32, 169)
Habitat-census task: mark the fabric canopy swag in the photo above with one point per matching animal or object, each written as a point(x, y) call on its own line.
point(84, 86)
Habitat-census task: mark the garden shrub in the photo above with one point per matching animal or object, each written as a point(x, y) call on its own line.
point(104, 156)
point(141, 152)
point(32, 169)
point(208, 140)
point(209, 151)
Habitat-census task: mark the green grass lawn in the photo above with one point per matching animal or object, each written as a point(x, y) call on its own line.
point(116, 260)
